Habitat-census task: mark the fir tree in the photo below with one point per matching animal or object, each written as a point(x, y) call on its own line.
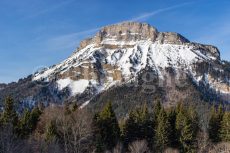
point(186, 137)
point(156, 109)
point(186, 129)
point(139, 126)
point(172, 122)
point(179, 108)
point(214, 124)
point(51, 132)
point(108, 128)
point(10, 116)
point(194, 119)
point(225, 128)
point(74, 107)
point(24, 127)
point(34, 118)
point(130, 130)
point(146, 125)
point(162, 135)
point(28, 122)
point(98, 142)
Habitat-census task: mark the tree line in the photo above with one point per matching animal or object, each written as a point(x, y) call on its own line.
point(70, 129)
point(161, 128)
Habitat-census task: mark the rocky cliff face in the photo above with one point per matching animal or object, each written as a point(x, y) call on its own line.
point(133, 31)
point(132, 52)
point(129, 31)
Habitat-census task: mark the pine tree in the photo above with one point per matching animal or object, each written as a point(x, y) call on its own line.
point(220, 112)
point(98, 142)
point(10, 116)
point(146, 124)
point(225, 128)
point(156, 109)
point(186, 137)
point(172, 122)
point(162, 135)
point(214, 124)
point(28, 122)
point(51, 132)
point(34, 118)
point(130, 130)
point(194, 119)
point(186, 129)
point(74, 107)
point(108, 128)
point(24, 124)
point(179, 108)
point(139, 126)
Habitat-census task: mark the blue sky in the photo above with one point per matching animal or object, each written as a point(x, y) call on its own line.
point(35, 33)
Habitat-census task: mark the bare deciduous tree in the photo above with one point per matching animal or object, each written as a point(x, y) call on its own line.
point(75, 130)
point(223, 147)
point(9, 143)
point(139, 147)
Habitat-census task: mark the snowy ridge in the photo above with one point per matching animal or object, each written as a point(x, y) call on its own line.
point(117, 58)
point(130, 61)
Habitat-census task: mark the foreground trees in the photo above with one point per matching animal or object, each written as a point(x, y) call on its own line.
point(106, 129)
point(145, 129)
point(225, 128)
point(156, 130)
point(139, 126)
point(215, 124)
point(15, 129)
point(9, 116)
point(71, 131)
point(159, 129)
point(163, 131)
point(187, 128)
point(219, 125)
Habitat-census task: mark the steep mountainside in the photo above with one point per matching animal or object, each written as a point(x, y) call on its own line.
point(134, 58)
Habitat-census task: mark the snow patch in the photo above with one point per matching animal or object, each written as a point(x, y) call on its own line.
point(76, 87)
point(84, 104)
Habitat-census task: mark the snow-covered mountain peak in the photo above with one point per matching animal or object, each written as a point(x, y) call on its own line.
point(117, 53)
point(133, 31)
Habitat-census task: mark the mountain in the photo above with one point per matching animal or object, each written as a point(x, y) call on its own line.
point(129, 62)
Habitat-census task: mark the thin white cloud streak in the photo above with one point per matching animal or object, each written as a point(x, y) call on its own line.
point(71, 40)
point(145, 16)
point(47, 10)
point(86, 32)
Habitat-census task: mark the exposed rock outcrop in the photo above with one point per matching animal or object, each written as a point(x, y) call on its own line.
point(128, 31)
point(134, 31)
point(208, 50)
point(171, 38)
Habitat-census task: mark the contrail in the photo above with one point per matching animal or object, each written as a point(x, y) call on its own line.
point(150, 14)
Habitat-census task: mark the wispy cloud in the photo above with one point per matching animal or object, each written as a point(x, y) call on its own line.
point(71, 40)
point(68, 41)
point(48, 9)
point(146, 16)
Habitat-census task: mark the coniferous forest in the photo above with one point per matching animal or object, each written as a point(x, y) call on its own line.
point(70, 129)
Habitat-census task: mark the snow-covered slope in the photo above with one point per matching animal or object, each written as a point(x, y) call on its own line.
point(119, 52)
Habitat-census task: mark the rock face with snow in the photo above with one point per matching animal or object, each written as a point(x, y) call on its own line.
point(119, 53)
